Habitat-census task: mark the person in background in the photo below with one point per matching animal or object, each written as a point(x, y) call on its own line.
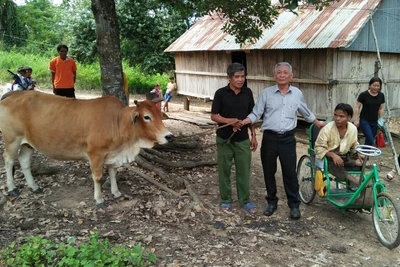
point(171, 87)
point(20, 83)
point(28, 76)
point(231, 104)
point(158, 93)
point(63, 73)
point(372, 104)
point(279, 104)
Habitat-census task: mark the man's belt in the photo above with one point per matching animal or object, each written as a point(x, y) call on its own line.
point(280, 134)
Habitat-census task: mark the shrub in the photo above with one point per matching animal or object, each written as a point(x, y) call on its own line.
point(88, 75)
point(37, 251)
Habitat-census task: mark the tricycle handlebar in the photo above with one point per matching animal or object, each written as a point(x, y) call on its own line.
point(369, 151)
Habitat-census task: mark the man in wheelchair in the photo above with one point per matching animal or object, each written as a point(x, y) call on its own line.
point(337, 141)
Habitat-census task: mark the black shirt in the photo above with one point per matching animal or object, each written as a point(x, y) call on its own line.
point(230, 105)
point(370, 106)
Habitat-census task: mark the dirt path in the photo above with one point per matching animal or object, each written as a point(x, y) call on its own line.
point(324, 236)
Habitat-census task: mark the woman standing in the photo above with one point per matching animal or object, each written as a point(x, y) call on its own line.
point(371, 103)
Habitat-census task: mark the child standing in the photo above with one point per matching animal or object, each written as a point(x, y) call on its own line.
point(171, 86)
point(158, 94)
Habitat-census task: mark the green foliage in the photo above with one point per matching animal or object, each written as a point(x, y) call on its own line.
point(43, 24)
point(147, 28)
point(88, 75)
point(37, 251)
point(13, 60)
point(246, 21)
point(81, 27)
point(11, 29)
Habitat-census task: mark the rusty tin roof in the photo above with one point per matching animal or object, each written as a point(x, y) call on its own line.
point(333, 27)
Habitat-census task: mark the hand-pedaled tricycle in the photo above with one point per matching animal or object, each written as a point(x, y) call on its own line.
point(370, 195)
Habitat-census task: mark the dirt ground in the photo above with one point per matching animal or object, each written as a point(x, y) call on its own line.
point(183, 235)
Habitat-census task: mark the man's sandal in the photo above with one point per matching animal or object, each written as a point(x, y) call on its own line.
point(250, 208)
point(226, 207)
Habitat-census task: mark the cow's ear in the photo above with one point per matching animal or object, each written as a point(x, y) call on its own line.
point(135, 117)
point(136, 102)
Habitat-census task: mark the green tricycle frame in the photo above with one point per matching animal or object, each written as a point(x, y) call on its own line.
point(370, 195)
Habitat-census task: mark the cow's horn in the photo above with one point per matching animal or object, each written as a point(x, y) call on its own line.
point(136, 102)
point(156, 100)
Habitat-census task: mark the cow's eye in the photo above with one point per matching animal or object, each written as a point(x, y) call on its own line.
point(147, 118)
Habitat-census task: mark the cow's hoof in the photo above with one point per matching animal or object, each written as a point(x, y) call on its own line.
point(38, 190)
point(14, 193)
point(102, 205)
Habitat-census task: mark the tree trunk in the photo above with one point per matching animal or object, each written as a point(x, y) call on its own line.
point(108, 45)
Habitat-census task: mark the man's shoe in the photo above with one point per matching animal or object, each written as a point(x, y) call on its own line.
point(295, 213)
point(269, 209)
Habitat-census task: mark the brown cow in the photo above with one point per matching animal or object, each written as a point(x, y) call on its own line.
point(102, 131)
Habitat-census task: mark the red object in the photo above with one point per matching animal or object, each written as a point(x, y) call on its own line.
point(380, 140)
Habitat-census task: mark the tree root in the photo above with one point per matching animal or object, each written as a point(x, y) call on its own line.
point(176, 181)
point(197, 201)
point(180, 164)
point(151, 180)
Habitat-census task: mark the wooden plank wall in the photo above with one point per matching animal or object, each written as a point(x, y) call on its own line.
point(200, 74)
point(326, 76)
point(308, 65)
point(353, 70)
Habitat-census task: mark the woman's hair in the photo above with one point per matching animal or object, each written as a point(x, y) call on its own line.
point(375, 79)
point(346, 108)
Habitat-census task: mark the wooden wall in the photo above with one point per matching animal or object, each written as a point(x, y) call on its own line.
point(353, 70)
point(326, 76)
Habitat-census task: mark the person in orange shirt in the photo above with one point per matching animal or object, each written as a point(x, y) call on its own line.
point(63, 73)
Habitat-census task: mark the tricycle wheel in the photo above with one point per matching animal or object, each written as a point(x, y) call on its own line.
point(305, 176)
point(385, 217)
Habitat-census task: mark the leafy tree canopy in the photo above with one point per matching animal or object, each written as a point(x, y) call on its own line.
point(43, 24)
point(10, 26)
point(147, 28)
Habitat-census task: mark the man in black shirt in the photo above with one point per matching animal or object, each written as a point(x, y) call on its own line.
point(230, 105)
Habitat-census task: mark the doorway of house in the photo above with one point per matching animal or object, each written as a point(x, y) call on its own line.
point(240, 57)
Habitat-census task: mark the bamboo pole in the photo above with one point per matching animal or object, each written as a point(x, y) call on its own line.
point(384, 85)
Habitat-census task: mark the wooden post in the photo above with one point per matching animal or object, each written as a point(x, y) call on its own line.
point(387, 102)
point(186, 103)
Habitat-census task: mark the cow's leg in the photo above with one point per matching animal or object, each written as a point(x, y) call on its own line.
point(112, 171)
point(96, 166)
point(25, 156)
point(9, 155)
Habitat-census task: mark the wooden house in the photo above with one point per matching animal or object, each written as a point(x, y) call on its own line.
point(333, 54)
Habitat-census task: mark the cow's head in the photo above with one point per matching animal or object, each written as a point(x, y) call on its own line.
point(147, 123)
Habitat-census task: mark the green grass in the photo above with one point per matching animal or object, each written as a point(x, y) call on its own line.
point(88, 76)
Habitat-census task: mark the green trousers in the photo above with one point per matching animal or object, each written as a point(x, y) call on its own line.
point(240, 153)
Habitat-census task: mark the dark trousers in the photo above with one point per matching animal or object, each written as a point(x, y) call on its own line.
point(369, 130)
point(67, 92)
point(273, 147)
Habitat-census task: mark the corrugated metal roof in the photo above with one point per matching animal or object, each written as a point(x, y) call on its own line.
point(335, 26)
